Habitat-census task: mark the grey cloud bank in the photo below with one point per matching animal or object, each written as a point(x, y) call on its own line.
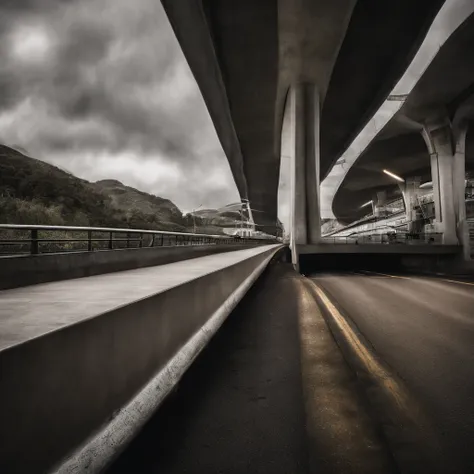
point(101, 88)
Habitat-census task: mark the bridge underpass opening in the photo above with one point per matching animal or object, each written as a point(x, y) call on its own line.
point(328, 263)
point(385, 263)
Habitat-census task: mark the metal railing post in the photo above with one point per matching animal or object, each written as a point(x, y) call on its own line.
point(111, 241)
point(89, 241)
point(140, 243)
point(128, 240)
point(34, 248)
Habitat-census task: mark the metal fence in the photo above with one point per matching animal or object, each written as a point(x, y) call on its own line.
point(40, 239)
point(404, 238)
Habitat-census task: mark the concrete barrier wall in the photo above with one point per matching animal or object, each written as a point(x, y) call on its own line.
point(59, 390)
point(378, 262)
point(33, 269)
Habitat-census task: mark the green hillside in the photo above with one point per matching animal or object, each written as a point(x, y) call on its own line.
point(35, 192)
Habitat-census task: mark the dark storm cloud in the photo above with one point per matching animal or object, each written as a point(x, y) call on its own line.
point(25, 5)
point(86, 81)
point(113, 79)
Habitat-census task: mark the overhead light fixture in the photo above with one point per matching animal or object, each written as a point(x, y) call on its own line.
point(366, 204)
point(394, 176)
point(427, 185)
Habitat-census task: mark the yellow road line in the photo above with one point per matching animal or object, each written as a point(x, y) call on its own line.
point(395, 402)
point(363, 354)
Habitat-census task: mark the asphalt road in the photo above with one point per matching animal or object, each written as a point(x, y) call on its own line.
point(422, 328)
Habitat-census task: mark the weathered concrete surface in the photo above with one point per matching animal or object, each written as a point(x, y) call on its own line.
point(72, 353)
point(244, 56)
point(443, 93)
point(33, 269)
point(381, 40)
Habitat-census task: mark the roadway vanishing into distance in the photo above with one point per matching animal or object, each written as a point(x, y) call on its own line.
point(281, 389)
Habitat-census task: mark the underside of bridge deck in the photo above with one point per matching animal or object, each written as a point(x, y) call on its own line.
point(245, 55)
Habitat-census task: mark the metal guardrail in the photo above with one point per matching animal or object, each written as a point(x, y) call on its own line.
point(41, 239)
point(389, 238)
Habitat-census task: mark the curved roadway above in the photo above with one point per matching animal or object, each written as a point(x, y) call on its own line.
point(381, 41)
point(244, 56)
point(439, 94)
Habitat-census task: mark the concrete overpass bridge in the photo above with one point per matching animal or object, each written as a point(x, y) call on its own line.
point(330, 65)
point(427, 140)
point(146, 351)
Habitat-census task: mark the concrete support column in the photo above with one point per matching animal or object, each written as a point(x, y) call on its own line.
point(302, 116)
point(440, 147)
point(378, 203)
point(410, 192)
point(310, 129)
point(459, 186)
point(295, 113)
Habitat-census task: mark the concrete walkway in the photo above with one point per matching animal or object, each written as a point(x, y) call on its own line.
point(33, 311)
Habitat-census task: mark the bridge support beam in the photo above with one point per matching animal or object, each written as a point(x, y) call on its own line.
point(439, 141)
point(303, 108)
point(459, 180)
point(410, 191)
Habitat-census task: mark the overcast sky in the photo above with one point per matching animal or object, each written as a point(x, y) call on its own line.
point(102, 89)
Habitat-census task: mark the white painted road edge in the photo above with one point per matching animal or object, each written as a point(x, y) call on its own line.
point(105, 445)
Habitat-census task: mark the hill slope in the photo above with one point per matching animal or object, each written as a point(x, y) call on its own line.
point(138, 204)
point(35, 192)
point(219, 217)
